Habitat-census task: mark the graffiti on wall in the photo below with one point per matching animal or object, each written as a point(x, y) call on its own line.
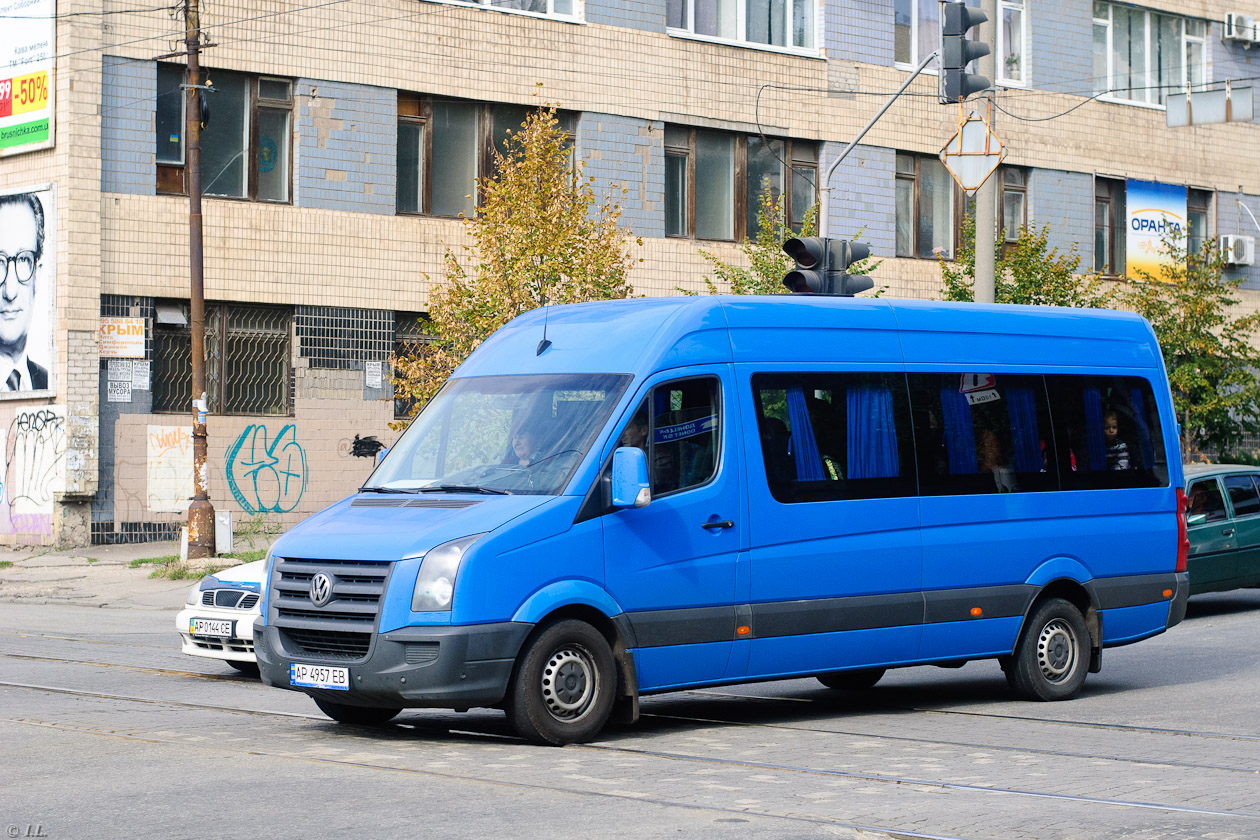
point(169, 469)
point(267, 474)
point(35, 469)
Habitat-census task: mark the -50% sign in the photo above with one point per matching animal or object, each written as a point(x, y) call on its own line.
point(23, 93)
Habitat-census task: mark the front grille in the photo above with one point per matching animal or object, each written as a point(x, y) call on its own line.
point(231, 599)
point(419, 653)
point(340, 629)
point(327, 644)
point(225, 645)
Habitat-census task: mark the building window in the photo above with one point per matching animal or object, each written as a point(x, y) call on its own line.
point(778, 23)
point(1198, 208)
point(925, 208)
point(248, 360)
point(1012, 43)
point(1142, 56)
point(917, 28)
point(1109, 229)
point(246, 141)
point(714, 181)
point(1013, 189)
point(444, 145)
point(552, 8)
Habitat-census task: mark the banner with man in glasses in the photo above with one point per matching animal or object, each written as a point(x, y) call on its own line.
point(28, 276)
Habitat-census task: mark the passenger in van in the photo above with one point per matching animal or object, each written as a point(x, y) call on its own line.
point(1117, 450)
point(990, 457)
point(635, 433)
point(524, 448)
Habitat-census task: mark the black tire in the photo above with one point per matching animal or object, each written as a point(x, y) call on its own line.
point(1052, 657)
point(249, 669)
point(859, 680)
point(564, 686)
point(356, 715)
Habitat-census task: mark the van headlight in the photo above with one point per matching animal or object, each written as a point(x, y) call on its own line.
point(435, 582)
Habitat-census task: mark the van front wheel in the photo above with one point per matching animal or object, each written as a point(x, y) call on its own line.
point(562, 691)
point(1052, 657)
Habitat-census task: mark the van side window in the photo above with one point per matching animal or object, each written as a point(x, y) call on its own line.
point(683, 434)
point(1107, 432)
point(1206, 501)
point(828, 436)
point(1242, 494)
point(982, 433)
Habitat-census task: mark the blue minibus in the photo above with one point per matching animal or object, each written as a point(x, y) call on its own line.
point(615, 499)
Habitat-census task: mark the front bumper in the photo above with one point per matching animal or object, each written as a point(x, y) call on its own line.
point(238, 648)
point(1177, 607)
point(412, 667)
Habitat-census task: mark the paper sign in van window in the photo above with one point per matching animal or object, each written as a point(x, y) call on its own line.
point(680, 431)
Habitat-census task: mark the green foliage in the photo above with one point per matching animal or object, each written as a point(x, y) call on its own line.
point(767, 262)
point(1027, 270)
point(6, 564)
point(540, 236)
point(1208, 351)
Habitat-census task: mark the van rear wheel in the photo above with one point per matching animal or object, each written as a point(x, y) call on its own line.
point(858, 680)
point(564, 685)
point(356, 715)
point(1052, 657)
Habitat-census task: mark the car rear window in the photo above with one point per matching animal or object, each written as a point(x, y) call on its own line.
point(1242, 494)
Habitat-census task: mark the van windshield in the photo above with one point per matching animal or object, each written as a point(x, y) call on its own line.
point(501, 434)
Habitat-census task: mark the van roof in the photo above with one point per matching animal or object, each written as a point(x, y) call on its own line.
point(640, 335)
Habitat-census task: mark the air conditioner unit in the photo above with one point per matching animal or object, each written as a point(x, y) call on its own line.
point(1238, 250)
point(1241, 28)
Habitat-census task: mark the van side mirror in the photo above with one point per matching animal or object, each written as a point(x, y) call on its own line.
point(381, 453)
point(630, 486)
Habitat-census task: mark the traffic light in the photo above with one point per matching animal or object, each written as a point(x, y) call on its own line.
point(821, 266)
point(957, 51)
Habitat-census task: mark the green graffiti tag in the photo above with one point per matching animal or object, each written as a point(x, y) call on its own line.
point(267, 478)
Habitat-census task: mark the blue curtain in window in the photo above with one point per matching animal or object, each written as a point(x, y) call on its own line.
point(1094, 431)
point(872, 445)
point(1145, 446)
point(809, 465)
point(1025, 436)
point(960, 437)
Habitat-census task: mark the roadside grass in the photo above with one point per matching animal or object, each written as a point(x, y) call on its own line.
point(6, 564)
point(91, 559)
point(168, 566)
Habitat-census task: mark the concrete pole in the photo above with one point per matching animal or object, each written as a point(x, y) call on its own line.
point(201, 512)
point(986, 196)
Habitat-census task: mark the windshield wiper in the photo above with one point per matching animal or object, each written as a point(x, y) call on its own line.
point(404, 490)
point(462, 488)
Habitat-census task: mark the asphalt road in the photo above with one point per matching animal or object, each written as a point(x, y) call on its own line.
point(106, 730)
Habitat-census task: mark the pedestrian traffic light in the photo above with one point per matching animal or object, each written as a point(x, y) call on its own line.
point(957, 51)
point(822, 266)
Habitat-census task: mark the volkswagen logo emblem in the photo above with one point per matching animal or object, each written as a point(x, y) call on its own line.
point(321, 589)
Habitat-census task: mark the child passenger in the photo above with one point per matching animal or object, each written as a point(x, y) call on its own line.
point(1117, 450)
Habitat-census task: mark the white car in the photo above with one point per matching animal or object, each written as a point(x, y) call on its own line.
point(218, 618)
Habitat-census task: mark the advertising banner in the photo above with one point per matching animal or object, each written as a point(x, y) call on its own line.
point(28, 52)
point(28, 295)
point(1153, 211)
point(122, 338)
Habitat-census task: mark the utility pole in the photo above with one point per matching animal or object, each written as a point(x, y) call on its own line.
point(986, 196)
point(201, 512)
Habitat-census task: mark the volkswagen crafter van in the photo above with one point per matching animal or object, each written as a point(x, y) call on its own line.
point(615, 499)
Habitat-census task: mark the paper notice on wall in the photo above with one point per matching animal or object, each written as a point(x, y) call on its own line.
point(140, 376)
point(118, 391)
point(121, 338)
point(119, 370)
point(373, 373)
point(169, 469)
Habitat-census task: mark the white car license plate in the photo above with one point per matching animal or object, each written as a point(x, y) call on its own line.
point(319, 676)
point(210, 627)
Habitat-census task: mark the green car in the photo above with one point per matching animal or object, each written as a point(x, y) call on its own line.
point(1224, 526)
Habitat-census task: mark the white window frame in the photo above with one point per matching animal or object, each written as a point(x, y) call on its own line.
point(578, 16)
point(741, 28)
point(1151, 95)
point(933, 69)
point(915, 58)
point(1022, 7)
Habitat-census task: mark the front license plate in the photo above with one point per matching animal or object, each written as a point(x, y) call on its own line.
point(210, 627)
point(319, 676)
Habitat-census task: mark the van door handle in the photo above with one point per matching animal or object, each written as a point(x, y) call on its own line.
point(725, 523)
point(1228, 532)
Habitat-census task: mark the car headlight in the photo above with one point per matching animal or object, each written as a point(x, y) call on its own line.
point(435, 582)
point(194, 595)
